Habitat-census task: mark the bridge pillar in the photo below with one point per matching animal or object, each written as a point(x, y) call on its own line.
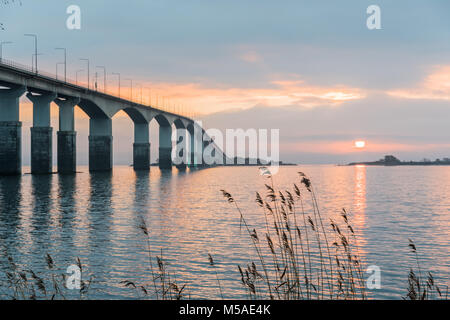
point(41, 133)
point(200, 148)
point(141, 147)
point(165, 147)
point(100, 144)
point(196, 151)
point(191, 149)
point(181, 149)
point(204, 144)
point(10, 131)
point(67, 137)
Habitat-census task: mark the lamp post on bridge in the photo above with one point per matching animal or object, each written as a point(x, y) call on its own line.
point(57, 64)
point(117, 74)
point(1, 48)
point(96, 80)
point(33, 58)
point(150, 96)
point(131, 92)
point(140, 86)
point(104, 77)
point(35, 48)
point(76, 76)
point(88, 76)
point(65, 62)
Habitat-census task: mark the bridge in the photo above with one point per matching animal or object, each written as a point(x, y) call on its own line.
point(42, 89)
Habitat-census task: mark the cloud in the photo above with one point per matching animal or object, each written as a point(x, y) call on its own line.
point(251, 57)
point(436, 86)
point(206, 100)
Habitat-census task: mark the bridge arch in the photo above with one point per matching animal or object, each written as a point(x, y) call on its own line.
point(91, 109)
point(179, 124)
point(162, 120)
point(135, 114)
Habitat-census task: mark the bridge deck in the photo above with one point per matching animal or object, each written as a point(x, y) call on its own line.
point(28, 73)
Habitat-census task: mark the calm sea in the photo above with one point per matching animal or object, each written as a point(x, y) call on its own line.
point(95, 217)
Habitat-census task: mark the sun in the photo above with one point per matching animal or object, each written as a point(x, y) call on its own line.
point(360, 144)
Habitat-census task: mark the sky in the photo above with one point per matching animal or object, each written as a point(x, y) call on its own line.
point(311, 69)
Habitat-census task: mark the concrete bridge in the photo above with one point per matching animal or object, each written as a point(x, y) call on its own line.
point(42, 89)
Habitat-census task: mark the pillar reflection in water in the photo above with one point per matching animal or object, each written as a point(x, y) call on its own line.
point(41, 186)
point(99, 216)
point(141, 211)
point(164, 190)
point(40, 227)
point(67, 190)
point(10, 207)
point(141, 192)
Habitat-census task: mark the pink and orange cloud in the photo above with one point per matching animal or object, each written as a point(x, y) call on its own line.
point(206, 100)
point(436, 86)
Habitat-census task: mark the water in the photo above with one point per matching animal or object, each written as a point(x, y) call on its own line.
point(95, 217)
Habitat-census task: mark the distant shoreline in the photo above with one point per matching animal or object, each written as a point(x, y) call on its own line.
point(390, 161)
point(412, 163)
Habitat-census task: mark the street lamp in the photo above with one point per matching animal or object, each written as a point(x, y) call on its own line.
point(76, 76)
point(117, 74)
point(150, 96)
point(96, 80)
point(131, 81)
point(57, 64)
point(104, 77)
point(1, 48)
point(140, 86)
point(33, 58)
point(65, 62)
point(87, 60)
point(35, 48)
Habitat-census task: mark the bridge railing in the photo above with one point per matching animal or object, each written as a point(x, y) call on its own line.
point(21, 67)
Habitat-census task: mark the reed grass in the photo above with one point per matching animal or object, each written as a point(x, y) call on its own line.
point(295, 257)
point(421, 287)
point(212, 264)
point(26, 284)
point(301, 257)
point(164, 285)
